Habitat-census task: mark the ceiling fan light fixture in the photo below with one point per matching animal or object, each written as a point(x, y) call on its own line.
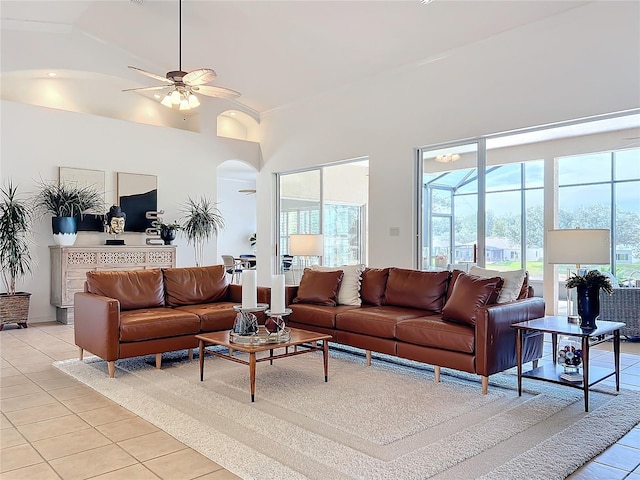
point(176, 97)
point(166, 101)
point(184, 104)
point(193, 101)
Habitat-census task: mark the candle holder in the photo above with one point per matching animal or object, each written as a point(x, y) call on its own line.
point(276, 326)
point(246, 322)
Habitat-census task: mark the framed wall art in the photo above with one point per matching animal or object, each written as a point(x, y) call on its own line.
point(137, 194)
point(82, 177)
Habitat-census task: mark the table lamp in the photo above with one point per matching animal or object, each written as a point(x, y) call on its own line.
point(306, 245)
point(578, 246)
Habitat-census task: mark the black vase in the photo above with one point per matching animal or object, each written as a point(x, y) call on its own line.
point(168, 235)
point(65, 230)
point(588, 306)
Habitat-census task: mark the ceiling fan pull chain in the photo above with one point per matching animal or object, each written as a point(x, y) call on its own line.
point(180, 36)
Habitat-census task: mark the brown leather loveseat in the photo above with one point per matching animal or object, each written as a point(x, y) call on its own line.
point(126, 314)
point(446, 319)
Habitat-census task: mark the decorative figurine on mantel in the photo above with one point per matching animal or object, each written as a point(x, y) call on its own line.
point(116, 219)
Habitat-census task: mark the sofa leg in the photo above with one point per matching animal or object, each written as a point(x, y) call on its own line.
point(190, 354)
point(368, 354)
point(80, 353)
point(436, 373)
point(158, 360)
point(485, 385)
point(112, 369)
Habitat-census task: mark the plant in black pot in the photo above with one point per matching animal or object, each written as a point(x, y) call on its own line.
point(588, 288)
point(15, 257)
point(168, 232)
point(66, 203)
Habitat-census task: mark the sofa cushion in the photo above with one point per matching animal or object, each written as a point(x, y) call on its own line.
point(152, 323)
point(373, 285)
point(194, 285)
point(512, 285)
point(319, 288)
point(349, 291)
point(214, 317)
point(524, 291)
point(317, 315)
point(416, 289)
point(132, 288)
point(468, 295)
point(375, 321)
point(432, 331)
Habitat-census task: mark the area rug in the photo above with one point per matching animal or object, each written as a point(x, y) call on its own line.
point(386, 421)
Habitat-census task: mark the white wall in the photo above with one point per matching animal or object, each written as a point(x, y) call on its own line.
point(239, 212)
point(37, 140)
point(581, 63)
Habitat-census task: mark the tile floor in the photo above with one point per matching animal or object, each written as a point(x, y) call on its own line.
point(53, 427)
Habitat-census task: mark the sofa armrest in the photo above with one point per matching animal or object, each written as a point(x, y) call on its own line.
point(97, 325)
point(496, 340)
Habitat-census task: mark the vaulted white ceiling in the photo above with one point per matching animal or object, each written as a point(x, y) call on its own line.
point(280, 52)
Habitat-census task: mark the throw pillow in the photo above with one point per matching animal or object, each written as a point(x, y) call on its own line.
point(374, 283)
point(416, 289)
point(349, 292)
point(513, 281)
point(320, 288)
point(469, 293)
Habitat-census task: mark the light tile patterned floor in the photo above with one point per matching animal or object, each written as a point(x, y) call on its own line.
point(53, 427)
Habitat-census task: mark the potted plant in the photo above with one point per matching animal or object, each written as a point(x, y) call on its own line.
point(253, 240)
point(66, 202)
point(168, 231)
point(588, 287)
point(201, 221)
point(15, 257)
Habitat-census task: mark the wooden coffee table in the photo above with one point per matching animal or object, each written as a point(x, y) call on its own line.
point(301, 340)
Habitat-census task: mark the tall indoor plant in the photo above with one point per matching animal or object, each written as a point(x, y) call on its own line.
point(15, 257)
point(201, 221)
point(67, 202)
point(588, 287)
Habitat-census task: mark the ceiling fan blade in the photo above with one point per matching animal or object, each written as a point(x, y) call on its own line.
point(160, 87)
point(200, 76)
point(152, 75)
point(219, 92)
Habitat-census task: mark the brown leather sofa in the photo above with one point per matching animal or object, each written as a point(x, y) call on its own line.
point(126, 314)
point(446, 319)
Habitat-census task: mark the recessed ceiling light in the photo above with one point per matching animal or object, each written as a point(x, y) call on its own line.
point(232, 113)
point(52, 74)
point(156, 95)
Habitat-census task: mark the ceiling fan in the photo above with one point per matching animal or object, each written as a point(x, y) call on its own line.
point(184, 85)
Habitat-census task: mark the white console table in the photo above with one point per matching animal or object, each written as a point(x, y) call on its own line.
point(69, 266)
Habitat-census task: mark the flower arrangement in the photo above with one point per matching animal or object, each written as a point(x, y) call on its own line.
point(570, 358)
point(591, 279)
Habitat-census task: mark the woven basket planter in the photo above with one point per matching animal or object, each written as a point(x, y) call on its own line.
point(14, 308)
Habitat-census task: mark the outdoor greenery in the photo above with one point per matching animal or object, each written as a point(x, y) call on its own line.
point(15, 226)
point(63, 200)
point(201, 221)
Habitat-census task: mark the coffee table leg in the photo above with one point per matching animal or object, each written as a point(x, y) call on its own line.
point(271, 355)
point(325, 356)
point(252, 374)
point(201, 358)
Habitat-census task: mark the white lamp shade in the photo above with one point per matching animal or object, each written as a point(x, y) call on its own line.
point(311, 245)
point(579, 246)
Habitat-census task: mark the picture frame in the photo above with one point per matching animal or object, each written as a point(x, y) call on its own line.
point(84, 177)
point(137, 195)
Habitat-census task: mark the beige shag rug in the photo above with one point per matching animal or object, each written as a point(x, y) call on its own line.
point(387, 421)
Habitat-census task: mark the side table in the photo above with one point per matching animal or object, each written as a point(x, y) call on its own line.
point(558, 325)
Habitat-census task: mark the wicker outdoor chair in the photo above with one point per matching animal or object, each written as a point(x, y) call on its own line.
point(622, 306)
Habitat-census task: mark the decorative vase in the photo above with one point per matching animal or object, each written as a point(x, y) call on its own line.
point(168, 235)
point(65, 230)
point(588, 306)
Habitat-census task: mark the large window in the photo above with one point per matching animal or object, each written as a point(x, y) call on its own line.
point(602, 190)
point(330, 200)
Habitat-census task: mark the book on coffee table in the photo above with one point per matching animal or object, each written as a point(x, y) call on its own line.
point(571, 377)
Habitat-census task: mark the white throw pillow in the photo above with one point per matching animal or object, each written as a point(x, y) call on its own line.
point(513, 280)
point(349, 292)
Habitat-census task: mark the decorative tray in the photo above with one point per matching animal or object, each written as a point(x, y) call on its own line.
point(262, 337)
